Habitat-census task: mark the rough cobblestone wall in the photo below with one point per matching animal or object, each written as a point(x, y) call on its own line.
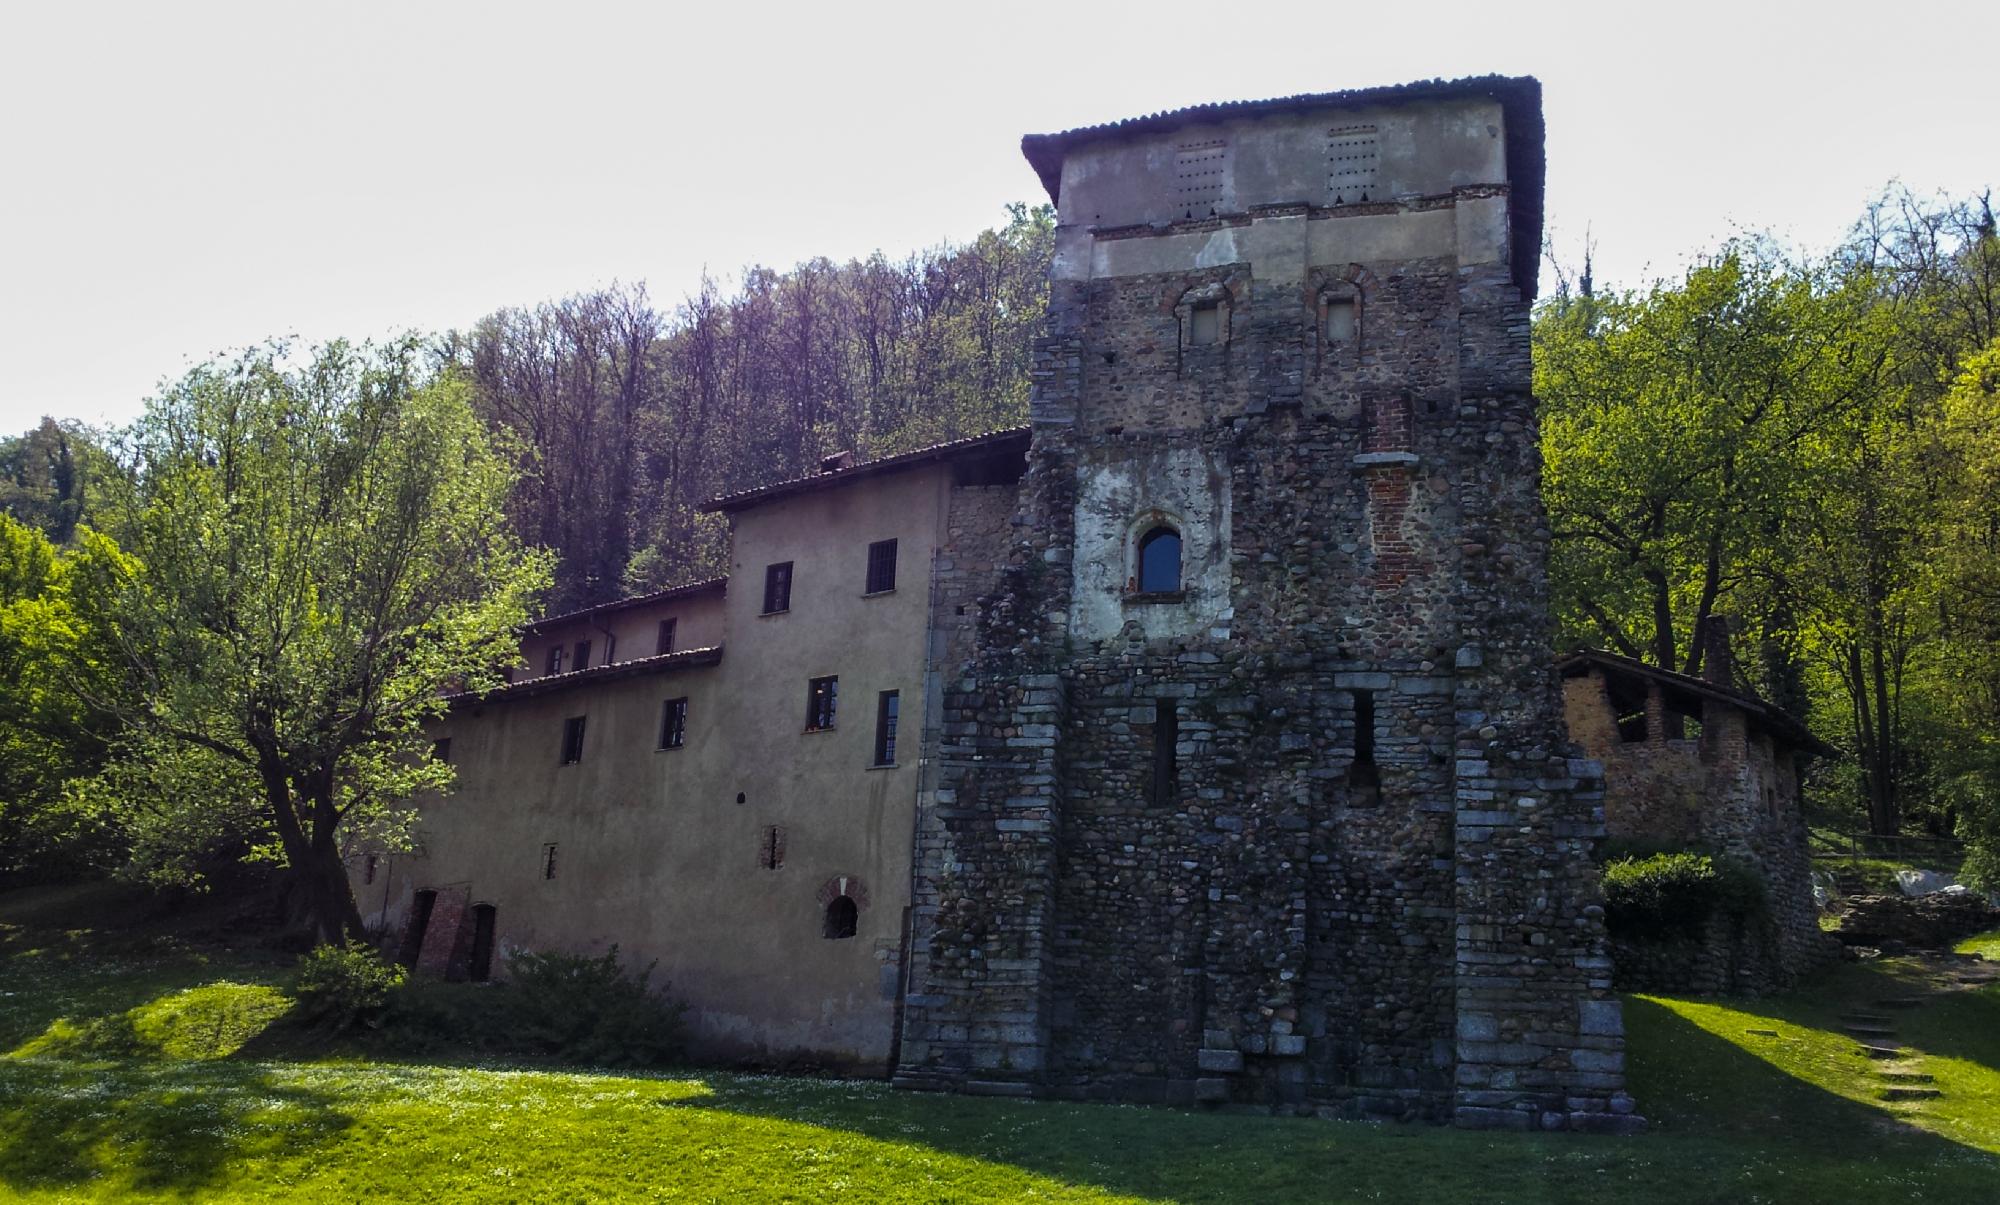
point(1303, 916)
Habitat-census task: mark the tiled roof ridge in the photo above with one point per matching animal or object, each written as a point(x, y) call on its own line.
point(868, 468)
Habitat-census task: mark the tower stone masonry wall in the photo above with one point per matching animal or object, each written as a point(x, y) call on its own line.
point(1415, 936)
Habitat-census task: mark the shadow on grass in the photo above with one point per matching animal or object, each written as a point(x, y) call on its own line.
point(1729, 1126)
point(150, 1127)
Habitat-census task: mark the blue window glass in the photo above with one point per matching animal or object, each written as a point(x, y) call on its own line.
point(1160, 561)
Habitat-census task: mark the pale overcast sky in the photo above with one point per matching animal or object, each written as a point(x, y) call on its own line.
point(181, 178)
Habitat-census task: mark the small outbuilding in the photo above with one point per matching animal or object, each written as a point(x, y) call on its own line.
point(1701, 763)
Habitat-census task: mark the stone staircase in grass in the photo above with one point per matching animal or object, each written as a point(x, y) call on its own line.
point(1895, 1066)
point(1898, 1069)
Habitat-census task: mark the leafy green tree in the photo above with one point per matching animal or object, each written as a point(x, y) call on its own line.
point(1670, 423)
point(54, 655)
point(320, 551)
point(46, 475)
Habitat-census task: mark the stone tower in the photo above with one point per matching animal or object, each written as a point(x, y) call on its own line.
point(1257, 789)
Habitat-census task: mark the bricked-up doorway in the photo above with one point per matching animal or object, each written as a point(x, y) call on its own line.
point(481, 966)
point(413, 933)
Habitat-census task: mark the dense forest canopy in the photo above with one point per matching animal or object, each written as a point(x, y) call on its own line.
point(1806, 447)
point(626, 416)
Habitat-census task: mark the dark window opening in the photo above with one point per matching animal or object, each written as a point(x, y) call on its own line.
point(1205, 324)
point(1160, 561)
point(673, 723)
point(368, 868)
point(555, 659)
point(1632, 727)
point(549, 860)
point(582, 659)
point(1364, 780)
point(842, 917)
point(1166, 764)
point(881, 566)
point(572, 740)
point(777, 587)
point(771, 847)
point(666, 636)
point(822, 698)
point(887, 704)
point(413, 933)
point(481, 968)
point(441, 750)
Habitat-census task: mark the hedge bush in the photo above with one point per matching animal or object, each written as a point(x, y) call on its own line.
point(345, 986)
point(1673, 894)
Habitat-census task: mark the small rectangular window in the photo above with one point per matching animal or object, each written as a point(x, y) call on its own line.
point(1205, 324)
point(666, 636)
point(572, 740)
point(881, 566)
point(549, 860)
point(777, 587)
point(886, 706)
point(771, 847)
point(582, 655)
point(441, 750)
point(555, 659)
point(1166, 765)
point(368, 869)
point(1363, 778)
point(822, 695)
point(673, 724)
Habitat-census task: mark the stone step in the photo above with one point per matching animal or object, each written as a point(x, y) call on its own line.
point(1903, 1002)
point(1905, 1077)
point(1909, 1094)
point(1762, 1033)
point(1867, 1019)
point(1881, 1052)
point(1227, 1062)
point(1868, 1031)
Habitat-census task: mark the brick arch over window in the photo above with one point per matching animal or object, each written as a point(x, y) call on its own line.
point(851, 886)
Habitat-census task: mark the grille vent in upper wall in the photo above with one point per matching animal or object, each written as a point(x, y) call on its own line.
point(1200, 168)
point(1353, 154)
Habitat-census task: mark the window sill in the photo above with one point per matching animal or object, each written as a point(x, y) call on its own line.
point(1147, 598)
point(670, 748)
point(887, 765)
point(779, 611)
point(816, 731)
point(877, 593)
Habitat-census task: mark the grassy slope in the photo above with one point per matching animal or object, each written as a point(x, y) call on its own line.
point(118, 1082)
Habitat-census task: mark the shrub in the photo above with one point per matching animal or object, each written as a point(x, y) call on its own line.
point(1670, 895)
point(345, 986)
point(589, 1010)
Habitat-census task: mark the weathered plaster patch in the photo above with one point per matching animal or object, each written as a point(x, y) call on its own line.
point(1192, 494)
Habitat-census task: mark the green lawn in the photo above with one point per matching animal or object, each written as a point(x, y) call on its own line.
point(139, 1069)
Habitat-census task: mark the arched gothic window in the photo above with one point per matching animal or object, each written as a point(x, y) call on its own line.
point(1160, 561)
point(841, 918)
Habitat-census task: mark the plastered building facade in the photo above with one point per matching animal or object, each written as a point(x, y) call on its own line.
point(1228, 759)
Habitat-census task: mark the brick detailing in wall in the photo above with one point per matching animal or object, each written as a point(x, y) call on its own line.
point(447, 947)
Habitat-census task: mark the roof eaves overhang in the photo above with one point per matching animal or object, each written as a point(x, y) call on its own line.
point(596, 675)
